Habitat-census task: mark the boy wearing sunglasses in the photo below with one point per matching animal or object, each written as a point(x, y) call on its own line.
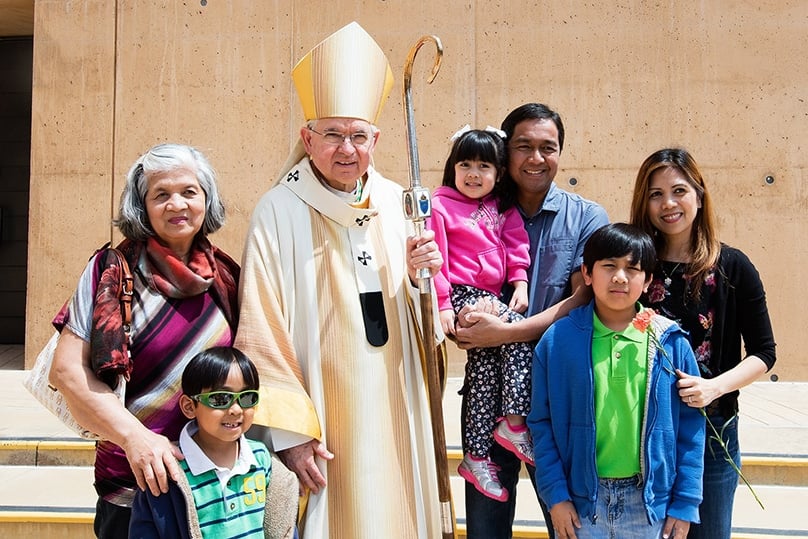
point(227, 485)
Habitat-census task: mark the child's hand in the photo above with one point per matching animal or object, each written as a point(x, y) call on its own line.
point(447, 321)
point(482, 305)
point(565, 520)
point(519, 298)
point(675, 528)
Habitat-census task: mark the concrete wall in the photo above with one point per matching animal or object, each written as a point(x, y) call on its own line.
point(727, 79)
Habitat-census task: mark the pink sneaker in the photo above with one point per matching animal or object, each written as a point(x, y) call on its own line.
point(482, 473)
point(517, 441)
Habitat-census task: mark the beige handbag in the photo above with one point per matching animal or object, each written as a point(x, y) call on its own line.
point(37, 379)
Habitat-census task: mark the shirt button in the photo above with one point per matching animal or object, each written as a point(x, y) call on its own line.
point(232, 506)
point(617, 355)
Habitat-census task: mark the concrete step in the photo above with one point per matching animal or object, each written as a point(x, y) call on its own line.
point(782, 516)
point(59, 501)
point(46, 479)
point(22, 452)
point(46, 501)
point(758, 470)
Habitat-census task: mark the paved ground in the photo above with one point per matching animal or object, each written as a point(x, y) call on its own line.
point(773, 418)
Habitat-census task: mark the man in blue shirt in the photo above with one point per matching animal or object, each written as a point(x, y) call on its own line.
point(558, 224)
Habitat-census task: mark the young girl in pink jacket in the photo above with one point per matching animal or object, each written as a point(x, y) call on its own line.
point(484, 249)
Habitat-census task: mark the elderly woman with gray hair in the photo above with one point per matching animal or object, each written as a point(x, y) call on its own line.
point(185, 300)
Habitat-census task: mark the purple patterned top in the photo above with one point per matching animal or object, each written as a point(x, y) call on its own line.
point(166, 334)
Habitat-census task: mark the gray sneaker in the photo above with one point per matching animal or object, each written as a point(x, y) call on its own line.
point(518, 443)
point(482, 473)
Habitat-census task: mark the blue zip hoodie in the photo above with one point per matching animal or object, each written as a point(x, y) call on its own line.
point(562, 421)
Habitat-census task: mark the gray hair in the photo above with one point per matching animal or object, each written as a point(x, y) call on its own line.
point(133, 221)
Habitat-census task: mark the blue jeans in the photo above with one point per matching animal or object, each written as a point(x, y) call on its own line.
point(490, 519)
point(719, 483)
point(619, 513)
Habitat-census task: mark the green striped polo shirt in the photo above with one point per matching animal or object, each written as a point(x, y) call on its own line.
point(229, 503)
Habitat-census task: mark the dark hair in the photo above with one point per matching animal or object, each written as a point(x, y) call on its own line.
point(476, 145)
point(523, 113)
point(616, 240)
point(704, 244)
point(533, 111)
point(209, 369)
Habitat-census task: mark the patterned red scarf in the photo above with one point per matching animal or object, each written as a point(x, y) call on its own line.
point(209, 269)
point(171, 277)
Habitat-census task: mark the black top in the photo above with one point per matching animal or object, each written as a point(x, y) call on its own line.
point(732, 306)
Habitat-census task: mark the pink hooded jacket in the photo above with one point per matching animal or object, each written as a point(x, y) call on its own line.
point(481, 247)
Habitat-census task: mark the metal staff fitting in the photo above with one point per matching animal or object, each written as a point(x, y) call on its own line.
point(417, 207)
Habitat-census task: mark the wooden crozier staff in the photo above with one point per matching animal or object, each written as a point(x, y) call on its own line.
point(417, 207)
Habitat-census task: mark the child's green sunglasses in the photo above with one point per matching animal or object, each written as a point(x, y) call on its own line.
point(222, 400)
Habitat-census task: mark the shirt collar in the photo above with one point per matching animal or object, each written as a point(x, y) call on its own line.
point(199, 463)
point(302, 181)
point(551, 203)
point(631, 333)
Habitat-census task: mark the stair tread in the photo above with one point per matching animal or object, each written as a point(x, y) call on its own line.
point(782, 513)
point(32, 488)
point(69, 489)
point(774, 423)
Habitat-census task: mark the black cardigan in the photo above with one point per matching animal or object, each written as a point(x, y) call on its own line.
point(740, 312)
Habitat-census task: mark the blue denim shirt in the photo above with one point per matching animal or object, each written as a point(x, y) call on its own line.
point(558, 232)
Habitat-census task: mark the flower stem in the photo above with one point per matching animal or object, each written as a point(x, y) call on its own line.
point(718, 438)
point(642, 321)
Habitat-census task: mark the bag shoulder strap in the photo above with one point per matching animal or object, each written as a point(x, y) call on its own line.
point(126, 285)
point(125, 289)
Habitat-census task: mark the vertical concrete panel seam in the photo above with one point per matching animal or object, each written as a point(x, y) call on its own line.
point(475, 66)
point(114, 112)
point(291, 116)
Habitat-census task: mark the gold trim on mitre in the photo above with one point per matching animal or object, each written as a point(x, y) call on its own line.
point(346, 75)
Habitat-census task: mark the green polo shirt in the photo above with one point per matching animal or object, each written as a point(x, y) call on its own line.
point(620, 367)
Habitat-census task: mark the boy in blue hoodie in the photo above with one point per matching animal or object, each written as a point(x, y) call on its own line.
point(618, 452)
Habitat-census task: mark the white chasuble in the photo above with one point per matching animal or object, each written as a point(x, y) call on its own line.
point(324, 316)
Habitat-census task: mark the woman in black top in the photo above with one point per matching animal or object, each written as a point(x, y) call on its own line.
point(716, 294)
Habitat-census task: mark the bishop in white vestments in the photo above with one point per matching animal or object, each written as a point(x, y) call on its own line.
point(328, 311)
